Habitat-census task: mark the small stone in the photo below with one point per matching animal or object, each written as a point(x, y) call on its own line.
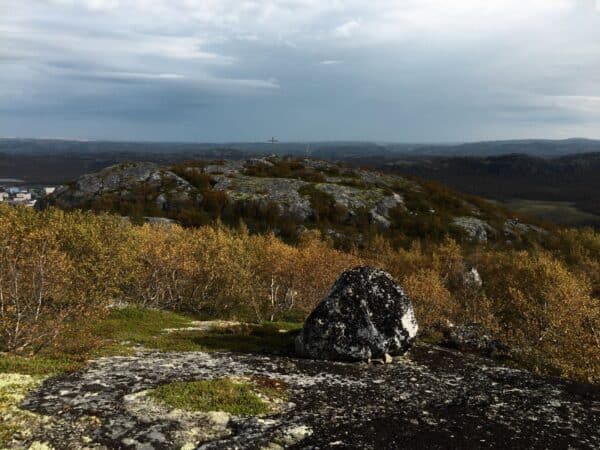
point(387, 358)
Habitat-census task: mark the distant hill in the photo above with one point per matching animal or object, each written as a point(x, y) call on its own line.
point(559, 176)
point(327, 150)
point(533, 147)
point(571, 179)
point(288, 196)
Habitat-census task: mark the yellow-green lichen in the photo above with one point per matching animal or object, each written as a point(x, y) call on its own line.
point(15, 422)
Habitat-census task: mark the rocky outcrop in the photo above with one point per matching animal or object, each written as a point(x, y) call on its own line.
point(380, 212)
point(126, 181)
point(282, 192)
point(472, 279)
point(473, 338)
point(514, 228)
point(365, 315)
point(476, 229)
point(428, 398)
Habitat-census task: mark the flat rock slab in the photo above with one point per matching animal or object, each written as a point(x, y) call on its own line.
point(428, 398)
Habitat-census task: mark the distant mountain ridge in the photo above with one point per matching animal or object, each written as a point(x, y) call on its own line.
point(325, 149)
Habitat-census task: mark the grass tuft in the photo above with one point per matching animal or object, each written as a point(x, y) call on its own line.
point(231, 396)
point(36, 365)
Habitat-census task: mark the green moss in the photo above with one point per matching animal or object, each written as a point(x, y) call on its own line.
point(117, 334)
point(124, 329)
point(432, 337)
point(267, 338)
point(37, 365)
point(139, 324)
point(231, 396)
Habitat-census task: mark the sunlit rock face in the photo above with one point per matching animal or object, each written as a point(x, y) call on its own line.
point(365, 315)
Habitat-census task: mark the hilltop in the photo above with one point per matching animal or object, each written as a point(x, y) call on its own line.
point(288, 196)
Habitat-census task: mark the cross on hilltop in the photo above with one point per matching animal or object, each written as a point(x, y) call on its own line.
point(273, 140)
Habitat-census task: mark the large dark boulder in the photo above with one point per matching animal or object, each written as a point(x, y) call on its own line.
point(365, 315)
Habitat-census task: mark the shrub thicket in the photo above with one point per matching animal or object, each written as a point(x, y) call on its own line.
point(284, 168)
point(60, 270)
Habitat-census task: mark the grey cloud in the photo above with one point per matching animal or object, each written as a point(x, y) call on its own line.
point(413, 70)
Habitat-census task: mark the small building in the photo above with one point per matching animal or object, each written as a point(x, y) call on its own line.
point(49, 190)
point(23, 197)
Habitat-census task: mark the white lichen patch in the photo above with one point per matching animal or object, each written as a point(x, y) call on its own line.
point(40, 446)
point(289, 436)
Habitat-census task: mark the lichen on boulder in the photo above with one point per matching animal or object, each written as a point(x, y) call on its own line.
point(365, 315)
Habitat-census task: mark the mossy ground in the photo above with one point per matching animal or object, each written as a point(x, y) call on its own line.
point(38, 365)
point(128, 329)
point(237, 397)
point(13, 420)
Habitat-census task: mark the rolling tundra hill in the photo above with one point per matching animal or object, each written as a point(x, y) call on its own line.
point(288, 196)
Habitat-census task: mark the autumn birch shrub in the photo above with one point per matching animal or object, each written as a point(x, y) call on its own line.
point(434, 304)
point(298, 277)
point(161, 267)
point(580, 250)
point(224, 280)
point(545, 311)
point(56, 269)
point(101, 246)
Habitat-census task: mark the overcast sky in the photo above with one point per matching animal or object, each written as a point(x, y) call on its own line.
point(240, 70)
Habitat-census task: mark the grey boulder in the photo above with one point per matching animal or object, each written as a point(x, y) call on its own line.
point(365, 315)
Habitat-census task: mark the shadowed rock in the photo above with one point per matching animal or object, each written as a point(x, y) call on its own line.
point(473, 338)
point(365, 315)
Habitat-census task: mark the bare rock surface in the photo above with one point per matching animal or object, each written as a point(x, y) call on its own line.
point(365, 315)
point(476, 229)
point(428, 398)
point(124, 180)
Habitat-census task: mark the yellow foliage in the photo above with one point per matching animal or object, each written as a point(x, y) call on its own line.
point(546, 311)
point(54, 268)
point(59, 270)
point(432, 301)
